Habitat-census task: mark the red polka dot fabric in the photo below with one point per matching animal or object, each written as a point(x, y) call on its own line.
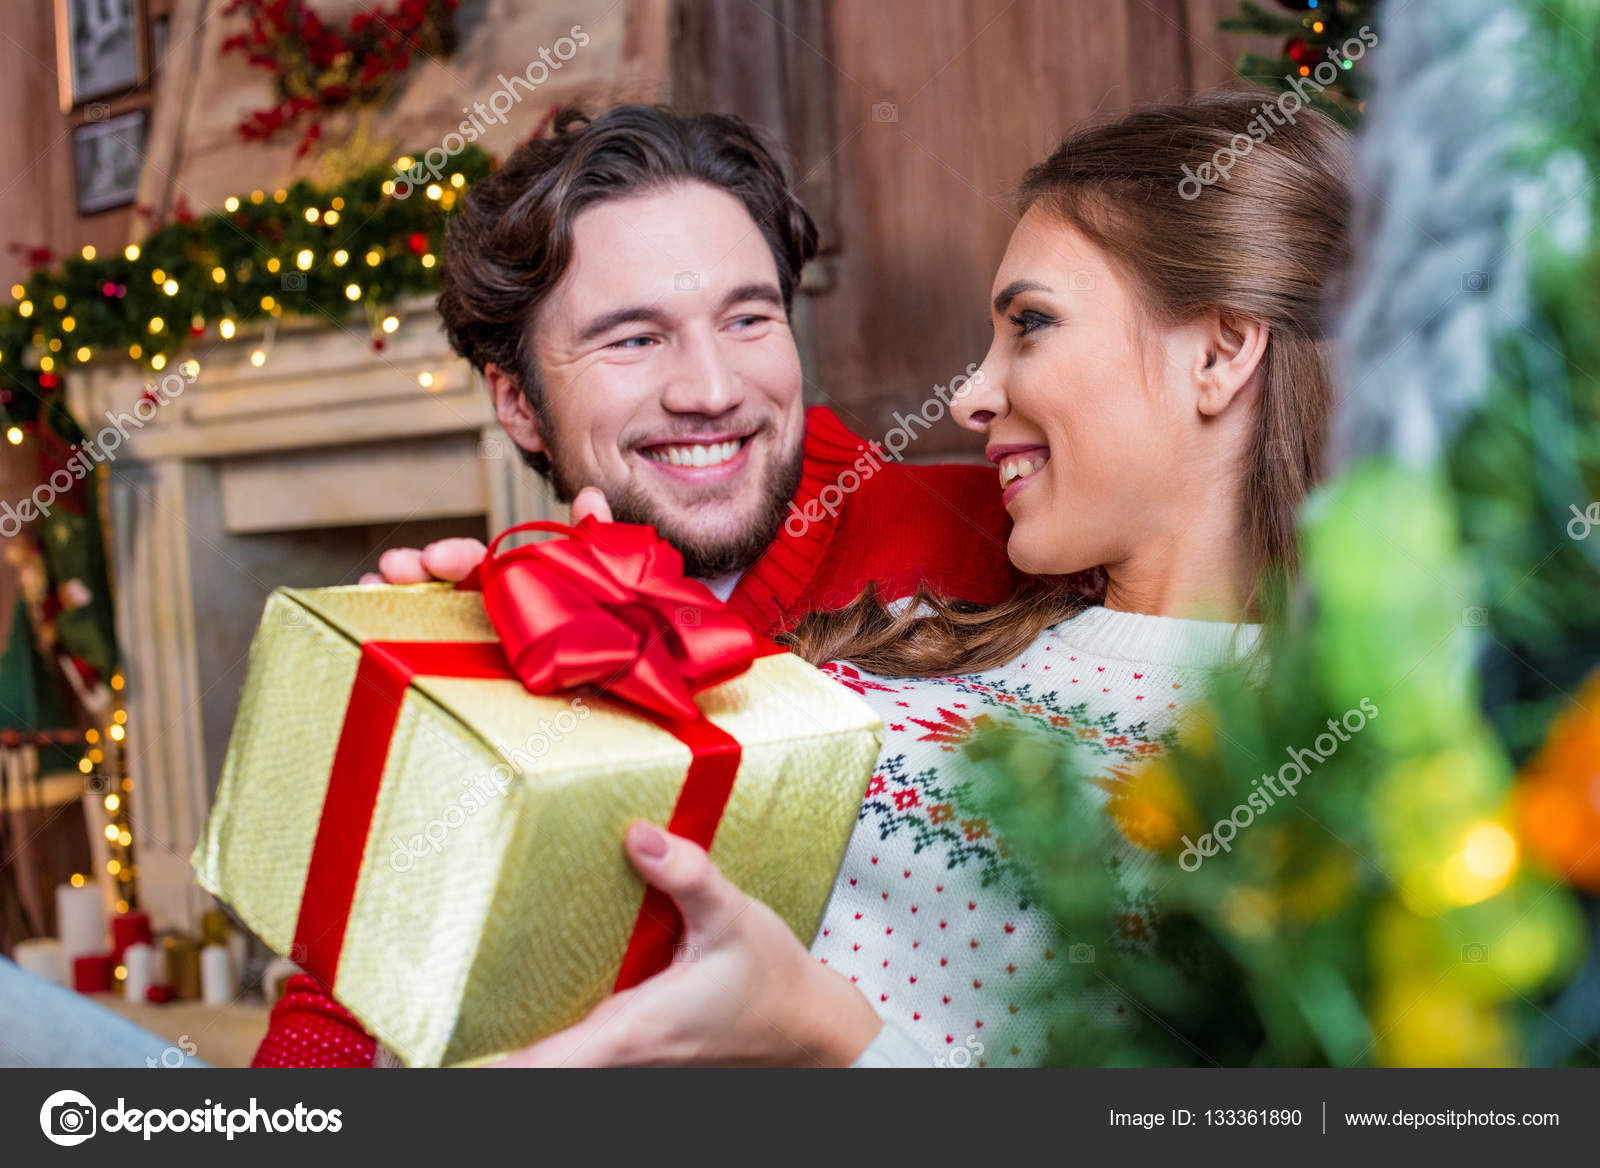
point(309, 1029)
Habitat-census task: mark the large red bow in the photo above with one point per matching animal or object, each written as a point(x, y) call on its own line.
point(610, 607)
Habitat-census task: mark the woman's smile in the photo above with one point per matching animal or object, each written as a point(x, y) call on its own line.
point(1018, 464)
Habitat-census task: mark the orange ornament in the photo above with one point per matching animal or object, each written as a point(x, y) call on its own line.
point(1558, 795)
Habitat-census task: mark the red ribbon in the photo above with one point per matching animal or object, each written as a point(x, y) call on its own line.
point(609, 608)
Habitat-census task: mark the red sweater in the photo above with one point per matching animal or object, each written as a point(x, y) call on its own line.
point(855, 520)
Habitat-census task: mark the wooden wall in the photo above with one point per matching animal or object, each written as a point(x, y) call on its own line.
point(914, 208)
point(978, 90)
point(37, 201)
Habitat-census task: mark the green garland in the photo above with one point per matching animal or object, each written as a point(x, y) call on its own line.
point(299, 251)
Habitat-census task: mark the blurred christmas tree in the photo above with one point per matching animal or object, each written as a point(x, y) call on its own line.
point(1418, 901)
point(1334, 34)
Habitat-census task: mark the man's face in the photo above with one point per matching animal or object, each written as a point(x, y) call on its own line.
point(670, 378)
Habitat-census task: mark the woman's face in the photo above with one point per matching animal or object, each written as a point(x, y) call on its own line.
point(1092, 420)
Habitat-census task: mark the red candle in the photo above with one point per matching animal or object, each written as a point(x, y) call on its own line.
point(92, 974)
point(128, 929)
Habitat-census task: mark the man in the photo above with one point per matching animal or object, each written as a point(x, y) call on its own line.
point(624, 287)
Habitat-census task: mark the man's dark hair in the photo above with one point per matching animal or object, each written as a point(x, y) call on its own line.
point(510, 241)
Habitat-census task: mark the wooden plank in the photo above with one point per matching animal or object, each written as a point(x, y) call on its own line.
point(1160, 50)
point(353, 485)
point(1213, 54)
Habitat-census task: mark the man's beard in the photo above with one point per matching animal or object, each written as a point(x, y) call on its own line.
point(705, 557)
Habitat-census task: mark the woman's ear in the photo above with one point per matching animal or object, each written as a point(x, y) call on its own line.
point(1233, 351)
point(515, 413)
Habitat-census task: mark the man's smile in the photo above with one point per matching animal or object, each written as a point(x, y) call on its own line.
point(695, 453)
point(709, 459)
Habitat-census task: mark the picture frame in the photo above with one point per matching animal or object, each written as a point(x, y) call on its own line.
point(107, 161)
point(100, 49)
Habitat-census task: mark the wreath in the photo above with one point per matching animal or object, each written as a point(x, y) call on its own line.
point(318, 69)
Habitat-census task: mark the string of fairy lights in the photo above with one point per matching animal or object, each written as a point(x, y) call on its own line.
point(105, 759)
point(364, 244)
point(232, 275)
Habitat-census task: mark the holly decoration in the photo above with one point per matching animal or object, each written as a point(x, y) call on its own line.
point(317, 69)
point(1316, 31)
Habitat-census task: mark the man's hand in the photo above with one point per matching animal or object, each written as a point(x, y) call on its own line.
point(446, 559)
point(454, 559)
point(744, 991)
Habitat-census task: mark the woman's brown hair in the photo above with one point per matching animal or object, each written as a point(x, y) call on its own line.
point(1223, 202)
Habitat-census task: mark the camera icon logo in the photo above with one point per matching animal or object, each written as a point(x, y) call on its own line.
point(1474, 281)
point(1081, 954)
point(1475, 617)
point(490, 448)
point(1082, 280)
point(294, 616)
point(297, 954)
point(685, 953)
point(1476, 953)
point(96, 111)
point(688, 617)
point(67, 1118)
point(99, 783)
point(686, 282)
point(294, 281)
point(885, 111)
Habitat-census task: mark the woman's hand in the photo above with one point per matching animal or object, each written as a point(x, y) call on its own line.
point(454, 559)
point(746, 994)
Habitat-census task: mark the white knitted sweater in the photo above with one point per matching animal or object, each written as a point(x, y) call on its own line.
point(919, 918)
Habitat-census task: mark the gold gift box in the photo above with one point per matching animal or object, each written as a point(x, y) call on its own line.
point(478, 930)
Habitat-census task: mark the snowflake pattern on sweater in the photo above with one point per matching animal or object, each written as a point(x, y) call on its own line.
point(928, 915)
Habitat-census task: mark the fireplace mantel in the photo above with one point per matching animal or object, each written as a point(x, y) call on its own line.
point(296, 471)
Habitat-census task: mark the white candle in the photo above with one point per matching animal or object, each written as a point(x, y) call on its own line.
point(81, 921)
point(216, 976)
point(159, 973)
point(139, 960)
point(42, 957)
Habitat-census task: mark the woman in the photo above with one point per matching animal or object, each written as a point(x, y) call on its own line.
point(1154, 400)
